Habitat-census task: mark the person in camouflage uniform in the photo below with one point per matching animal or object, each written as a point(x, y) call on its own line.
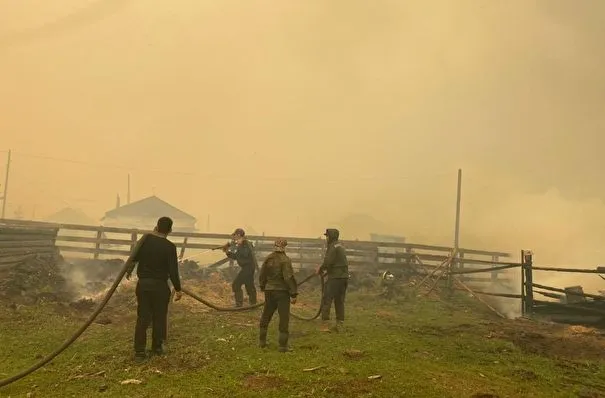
point(276, 279)
point(336, 267)
point(243, 253)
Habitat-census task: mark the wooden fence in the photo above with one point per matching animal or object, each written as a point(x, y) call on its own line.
point(568, 304)
point(571, 304)
point(20, 242)
point(98, 241)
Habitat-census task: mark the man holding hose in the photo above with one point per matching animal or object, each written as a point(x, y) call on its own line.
point(157, 261)
point(336, 267)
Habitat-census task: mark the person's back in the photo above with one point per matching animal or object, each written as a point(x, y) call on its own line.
point(277, 281)
point(277, 273)
point(157, 259)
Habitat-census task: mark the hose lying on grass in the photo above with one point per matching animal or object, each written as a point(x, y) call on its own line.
point(251, 307)
point(102, 305)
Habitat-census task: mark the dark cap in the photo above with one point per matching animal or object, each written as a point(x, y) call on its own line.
point(239, 232)
point(332, 233)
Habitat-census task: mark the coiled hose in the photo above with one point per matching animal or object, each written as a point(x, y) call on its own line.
point(102, 305)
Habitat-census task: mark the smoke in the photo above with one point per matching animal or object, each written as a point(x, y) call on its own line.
point(89, 279)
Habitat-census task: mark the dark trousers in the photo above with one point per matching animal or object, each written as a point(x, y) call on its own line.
point(335, 291)
point(153, 297)
point(244, 277)
point(276, 300)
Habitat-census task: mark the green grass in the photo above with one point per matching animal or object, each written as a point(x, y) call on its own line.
point(421, 348)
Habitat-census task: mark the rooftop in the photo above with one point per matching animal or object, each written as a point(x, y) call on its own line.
point(149, 207)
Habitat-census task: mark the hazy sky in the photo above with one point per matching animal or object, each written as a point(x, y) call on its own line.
point(289, 115)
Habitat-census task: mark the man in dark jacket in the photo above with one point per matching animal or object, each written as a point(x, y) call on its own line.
point(246, 259)
point(157, 262)
point(276, 279)
point(336, 267)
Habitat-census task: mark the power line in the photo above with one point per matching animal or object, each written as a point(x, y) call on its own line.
point(103, 165)
point(235, 178)
point(86, 15)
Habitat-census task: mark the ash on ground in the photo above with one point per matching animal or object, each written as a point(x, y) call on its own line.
point(34, 280)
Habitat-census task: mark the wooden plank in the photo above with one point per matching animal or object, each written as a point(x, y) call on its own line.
point(94, 240)
point(484, 280)
point(29, 237)
point(494, 269)
point(571, 293)
point(505, 295)
point(26, 243)
point(94, 250)
point(570, 270)
point(20, 231)
point(483, 252)
point(567, 307)
point(10, 250)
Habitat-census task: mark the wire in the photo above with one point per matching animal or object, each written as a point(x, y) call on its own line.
point(236, 178)
point(86, 15)
point(103, 165)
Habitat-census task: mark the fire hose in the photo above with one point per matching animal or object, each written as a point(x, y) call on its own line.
point(102, 305)
point(251, 307)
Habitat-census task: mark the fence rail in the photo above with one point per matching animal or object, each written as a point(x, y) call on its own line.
point(19, 242)
point(118, 242)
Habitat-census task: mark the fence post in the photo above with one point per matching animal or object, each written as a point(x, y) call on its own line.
point(523, 301)
point(527, 257)
point(182, 254)
point(495, 260)
point(133, 241)
point(98, 243)
point(377, 257)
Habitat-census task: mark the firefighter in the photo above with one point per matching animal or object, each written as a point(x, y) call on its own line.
point(243, 253)
point(157, 261)
point(336, 267)
point(276, 279)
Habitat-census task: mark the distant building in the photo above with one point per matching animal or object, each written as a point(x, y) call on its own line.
point(144, 214)
point(70, 215)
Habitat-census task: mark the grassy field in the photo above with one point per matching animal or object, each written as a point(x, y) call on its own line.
point(419, 347)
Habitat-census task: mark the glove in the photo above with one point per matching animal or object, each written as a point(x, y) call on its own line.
point(178, 296)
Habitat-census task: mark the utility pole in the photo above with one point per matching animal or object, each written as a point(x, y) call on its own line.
point(457, 230)
point(4, 195)
point(458, 201)
point(128, 194)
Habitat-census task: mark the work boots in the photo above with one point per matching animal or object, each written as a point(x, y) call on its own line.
point(262, 338)
point(325, 325)
point(283, 342)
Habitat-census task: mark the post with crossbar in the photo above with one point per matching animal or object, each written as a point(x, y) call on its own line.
point(98, 241)
point(528, 290)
